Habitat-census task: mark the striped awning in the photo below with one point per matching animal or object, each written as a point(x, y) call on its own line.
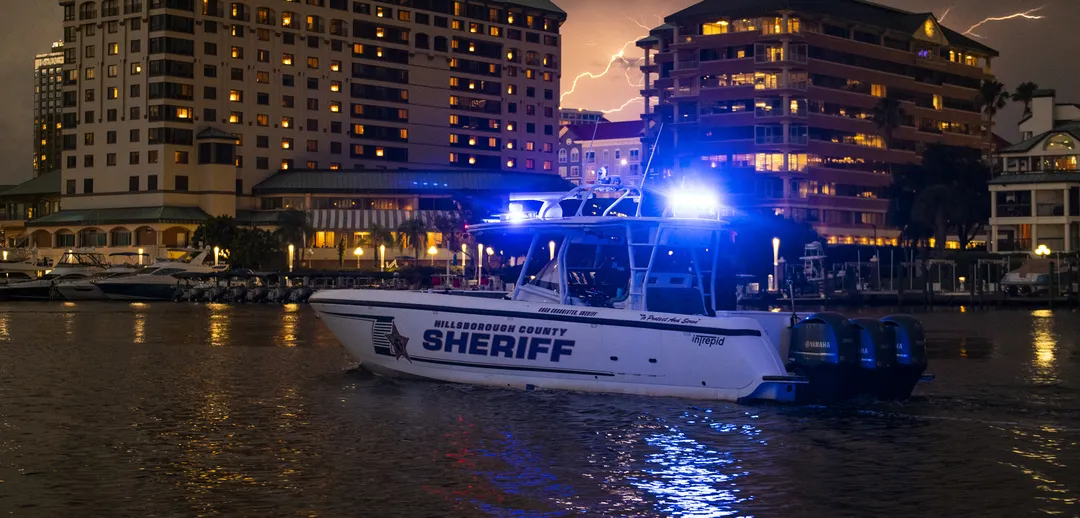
point(343, 219)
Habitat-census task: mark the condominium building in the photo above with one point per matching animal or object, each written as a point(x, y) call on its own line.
point(775, 99)
point(1035, 201)
point(48, 77)
point(569, 116)
point(185, 105)
point(613, 148)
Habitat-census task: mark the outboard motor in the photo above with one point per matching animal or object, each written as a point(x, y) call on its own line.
point(910, 355)
point(823, 349)
point(877, 357)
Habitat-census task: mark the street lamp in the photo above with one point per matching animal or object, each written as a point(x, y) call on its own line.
point(464, 260)
point(432, 251)
point(140, 256)
point(217, 252)
point(358, 252)
point(292, 250)
point(551, 249)
point(382, 258)
point(1043, 251)
point(774, 282)
point(479, 262)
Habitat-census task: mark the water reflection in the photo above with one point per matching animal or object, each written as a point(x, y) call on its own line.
point(219, 324)
point(139, 325)
point(1045, 345)
point(4, 335)
point(289, 321)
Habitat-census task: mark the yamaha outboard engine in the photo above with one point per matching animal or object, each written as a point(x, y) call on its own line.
point(877, 356)
point(823, 349)
point(910, 355)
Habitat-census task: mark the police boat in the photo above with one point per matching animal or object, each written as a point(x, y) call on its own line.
point(624, 303)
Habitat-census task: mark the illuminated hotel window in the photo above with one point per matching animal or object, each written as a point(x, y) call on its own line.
point(454, 139)
point(335, 66)
point(453, 158)
point(286, 122)
point(335, 107)
point(403, 133)
point(720, 27)
point(877, 90)
point(286, 143)
point(236, 96)
point(335, 86)
point(236, 118)
point(937, 102)
point(378, 151)
point(287, 59)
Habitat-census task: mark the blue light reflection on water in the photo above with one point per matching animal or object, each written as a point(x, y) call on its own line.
point(690, 479)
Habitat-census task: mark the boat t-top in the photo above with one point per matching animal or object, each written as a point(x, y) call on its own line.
point(120, 263)
point(73, 265)
point(623, 302)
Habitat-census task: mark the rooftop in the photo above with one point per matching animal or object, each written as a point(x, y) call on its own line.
point(43, 184)
point(406, 181)
point(859, 11)
point(121, 216)
point(543, 5)
point(609, 131)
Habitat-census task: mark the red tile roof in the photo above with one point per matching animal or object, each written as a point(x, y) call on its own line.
point(607, 131)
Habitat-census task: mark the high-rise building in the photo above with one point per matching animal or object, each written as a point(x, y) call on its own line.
point(568, 116)
point(48, 76)
point(187, 104)
point(776, 99)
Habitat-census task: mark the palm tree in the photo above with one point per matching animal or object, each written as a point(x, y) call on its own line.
point(379, 235)
point(992, 97)
point(888, 115)
point(452, 228)
point(1024, 94)
point(294, 227)
point(412, 234)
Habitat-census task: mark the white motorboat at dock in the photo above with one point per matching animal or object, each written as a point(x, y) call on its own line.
point(623, 304)
point(72, 266)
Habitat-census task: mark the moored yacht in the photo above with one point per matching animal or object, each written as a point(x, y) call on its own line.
point(73, 265)
point(624, 303)
point(120, 263)
point(156, 282)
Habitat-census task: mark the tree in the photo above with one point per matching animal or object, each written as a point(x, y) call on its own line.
point(294, 227)
point(412, 234)
point(992, 97)
point(452, 228)
point(256, 249)
point(341, 252)
point(1024, 94)
point(379, 235)
point(888, 115)
point(219, 231)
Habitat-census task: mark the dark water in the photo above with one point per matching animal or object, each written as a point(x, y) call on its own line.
point(179, 410)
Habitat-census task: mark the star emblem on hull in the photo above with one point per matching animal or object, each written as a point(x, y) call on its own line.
point(398, 343)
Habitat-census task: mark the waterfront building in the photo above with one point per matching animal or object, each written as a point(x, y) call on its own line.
point(775, 99)
point(175, 109)
point(1035, 200)
point(569, 116)
point(614, 147)
point(48, 80)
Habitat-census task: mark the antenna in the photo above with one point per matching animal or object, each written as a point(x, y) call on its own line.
point(648, 166)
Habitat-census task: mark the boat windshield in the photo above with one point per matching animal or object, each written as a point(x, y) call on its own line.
point(167, 271)
point(82, 259)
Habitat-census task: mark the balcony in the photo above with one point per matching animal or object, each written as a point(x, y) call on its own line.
point(1048, 210)
point(684, 91)
point(1014, 210)
point(687, 64)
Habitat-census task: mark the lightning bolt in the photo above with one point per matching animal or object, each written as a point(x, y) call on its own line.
point(1026, 14)
point(944, 14)
point(623, 107)
point(639, 24)
point(590, 75)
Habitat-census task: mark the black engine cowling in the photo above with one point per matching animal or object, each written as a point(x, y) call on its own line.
point(823, 348)
point(910, 352)
point(877, 356)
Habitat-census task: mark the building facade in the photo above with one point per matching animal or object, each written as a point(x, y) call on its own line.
point(48, 81)
point(185, 105)
point(569, 116)
point(775, 99)
point(1035, 201)
point(614, 147)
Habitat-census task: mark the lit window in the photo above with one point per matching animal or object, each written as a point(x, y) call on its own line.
point(510, 163)
point(286, 143)
point(493, 142)
point(114, 49)
point(335, 86)
point(286, 122)
point(287, 59)
point(238, 52)
point(262, 119)
point(183, 113)
point(358, 129)
point(877, 90)
point(380, 32)
point(379, 151)
point(937, 102)
point(284, 165)
point(453, 119)
point(236, 118)
point(335, 66)
point(453, 158)
point(136, 69)
point(335, 107)
point(236, 96)
point(334, 166)
point(380, 12)
point(454, 138)
point(404, 134)
point(313, 62)
point(454, 81)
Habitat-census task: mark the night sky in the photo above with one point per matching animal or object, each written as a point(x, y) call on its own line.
point(1043, 51)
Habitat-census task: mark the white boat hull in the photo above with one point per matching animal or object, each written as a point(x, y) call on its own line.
point(81, 290)
point(528, 345)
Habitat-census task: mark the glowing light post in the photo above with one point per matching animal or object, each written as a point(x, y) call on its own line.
point(358, 252)
point(292, 251)
point(1043, 252)
point(432, 251)
point(774, 279)
point(217, 252)
point(551, 250)
point(5, 255)
point(479, 263)
point(140, 256)
point(382, 258)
